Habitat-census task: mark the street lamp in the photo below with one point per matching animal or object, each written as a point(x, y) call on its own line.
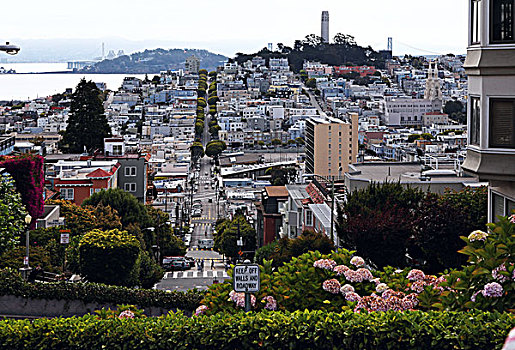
point(25, 270)
point(9, 48)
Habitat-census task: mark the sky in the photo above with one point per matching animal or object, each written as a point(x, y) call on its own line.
point(230, 26)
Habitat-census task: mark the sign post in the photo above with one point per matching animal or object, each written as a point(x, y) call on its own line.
point(65, 239)
point(246, 278)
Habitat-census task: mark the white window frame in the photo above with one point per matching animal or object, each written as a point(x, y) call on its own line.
point(130, 188)
point(65, 194)
point(131, 171)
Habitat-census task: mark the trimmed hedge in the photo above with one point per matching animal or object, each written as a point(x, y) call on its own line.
point(12, 284)
point(298, 330)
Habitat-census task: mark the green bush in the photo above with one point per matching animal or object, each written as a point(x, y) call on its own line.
point(110, 257)
point(298, 330)
point(11, 283)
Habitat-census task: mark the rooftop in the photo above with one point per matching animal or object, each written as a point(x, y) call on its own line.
point(276, 191)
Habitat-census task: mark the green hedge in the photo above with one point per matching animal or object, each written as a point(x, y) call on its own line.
point(268, 330)
point(12, 284)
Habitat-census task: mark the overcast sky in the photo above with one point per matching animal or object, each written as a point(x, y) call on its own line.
point(230, 26)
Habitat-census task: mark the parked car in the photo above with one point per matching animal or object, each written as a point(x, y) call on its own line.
point(176, 263)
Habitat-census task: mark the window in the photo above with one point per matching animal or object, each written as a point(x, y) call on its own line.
point(475, 6)
point(130, 171)
point(502, 123)
point(130, 187)
point(475, 120)
point(497, 206)
point(67, 194)
point(117, 150)
point(309, 218)
point(501, 21)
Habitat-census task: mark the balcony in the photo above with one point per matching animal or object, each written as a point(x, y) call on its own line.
point(491, 164)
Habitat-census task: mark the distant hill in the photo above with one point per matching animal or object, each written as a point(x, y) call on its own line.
point(155, 61)
point(343, 51)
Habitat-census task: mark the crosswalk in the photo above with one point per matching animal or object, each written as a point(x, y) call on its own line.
point(195, 249)
point(196, 274)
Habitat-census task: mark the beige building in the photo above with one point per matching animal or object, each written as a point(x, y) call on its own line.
point(431, 118)
point(192, 64)
point(331, 145)
point(490, 66)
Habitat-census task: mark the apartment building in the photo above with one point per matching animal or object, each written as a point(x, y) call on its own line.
point(331, 145)
point(490, 66)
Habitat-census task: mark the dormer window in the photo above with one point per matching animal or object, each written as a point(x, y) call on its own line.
point(501, 21)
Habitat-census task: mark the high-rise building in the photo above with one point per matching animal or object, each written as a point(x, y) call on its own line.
point(192, 64)
point(325, 26)
point(331, 145)
point(490, 66)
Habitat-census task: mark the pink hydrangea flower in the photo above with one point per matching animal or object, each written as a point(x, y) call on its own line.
point(331, 286)
point(340, 269)
point(352, 296)
point(416, 275)
point(365, 274)
point(327, 264)
point(496, 273)
point(271, 303)
point(512, 218)
point(347, 288)
point(381, 287)
point(418, 286)
point(357, 261)
point(353, 276)
point(477, 235)
point(239, 299)
point(201, 310)
point(492, 290)
point(126, 314)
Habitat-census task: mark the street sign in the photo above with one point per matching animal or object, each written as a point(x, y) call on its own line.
point(240, 253)
point(246, 278)
point(25, 260)
point(65, 238)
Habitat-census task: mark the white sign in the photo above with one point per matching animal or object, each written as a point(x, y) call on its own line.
point(65, 238)
point(246, 278)
point(25, 260)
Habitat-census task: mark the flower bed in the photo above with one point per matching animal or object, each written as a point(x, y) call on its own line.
point(270, 330)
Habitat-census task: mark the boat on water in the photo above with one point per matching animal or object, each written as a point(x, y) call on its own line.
point(7, 71)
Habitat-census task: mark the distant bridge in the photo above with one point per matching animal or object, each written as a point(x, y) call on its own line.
point(81, 64)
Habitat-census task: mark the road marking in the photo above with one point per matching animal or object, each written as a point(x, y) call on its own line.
point(196, 274)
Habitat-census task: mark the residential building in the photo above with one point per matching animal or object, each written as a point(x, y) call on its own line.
point(490, 66)
point(331, 145)
point(192, 64)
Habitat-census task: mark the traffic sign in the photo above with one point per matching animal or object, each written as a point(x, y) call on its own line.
point(240, 253)
point(25, 260)
point(65, 238)
point(246, 278)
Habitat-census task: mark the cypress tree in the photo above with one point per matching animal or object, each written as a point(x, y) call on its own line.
point(87, 124)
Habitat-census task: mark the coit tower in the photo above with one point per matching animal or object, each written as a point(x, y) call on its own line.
point(325, 26)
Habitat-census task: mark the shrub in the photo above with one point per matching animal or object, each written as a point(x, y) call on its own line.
point(297, 330)
point(490, 263)
point(110, 257)
point(11, 283)
point(38, 256)
point(12, 215)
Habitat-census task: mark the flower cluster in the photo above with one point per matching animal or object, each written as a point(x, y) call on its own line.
point(126, 314)
point(497, 275)
point(477, 235)
point(327, 264)
point(492, 290)
point(271, 303)
point(390, 300)
point(331, 286)
point(340, 269)
point(347, 288)
point(365, 274)
point(201, 310)
point(512, 218)
point(239, 299)
point(352, 296)
point(357, 261)
point(416, 275)
point(381, 287)
point(353, 276)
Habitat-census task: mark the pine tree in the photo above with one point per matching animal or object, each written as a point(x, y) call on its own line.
point(87, 125)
